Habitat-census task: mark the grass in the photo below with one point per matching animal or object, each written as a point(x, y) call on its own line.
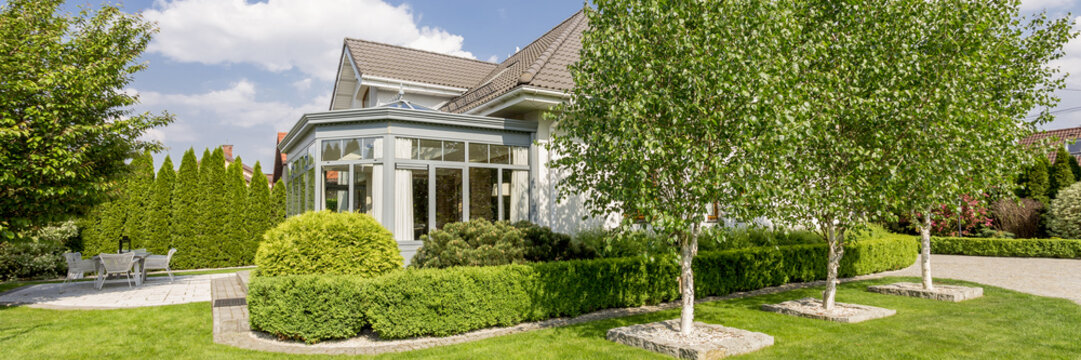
point(1002, 324)
point(15, 284)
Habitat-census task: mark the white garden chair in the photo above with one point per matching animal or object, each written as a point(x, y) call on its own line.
point(77, 266)
point(160, 262)
point(116, 264)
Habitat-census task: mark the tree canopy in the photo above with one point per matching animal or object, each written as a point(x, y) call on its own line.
point(66, 124)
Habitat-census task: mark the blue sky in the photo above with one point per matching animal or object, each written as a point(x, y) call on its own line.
point(236, 71)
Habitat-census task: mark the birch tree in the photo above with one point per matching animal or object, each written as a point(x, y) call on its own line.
point(679, 104)
point(976, 69)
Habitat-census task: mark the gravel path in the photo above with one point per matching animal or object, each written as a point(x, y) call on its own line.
point(82, 295)
point(1040, 276)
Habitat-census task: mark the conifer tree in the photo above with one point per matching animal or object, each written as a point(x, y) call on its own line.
point(236, 199)
point(1061, 175)
point(184, 219)
point(135, 199)
point(259, 215)
point(1036, 182)
point(213, 211)
point(160, 208)
point(277, 203)
point(1075, 167)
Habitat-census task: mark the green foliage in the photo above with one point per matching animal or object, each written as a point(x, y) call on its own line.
point(325, 242)
point(1061, 175)
point(1035, 181)
point(64, 233)
point(277, 201)
point(1065, 213)
point(1075, 167)
point(235, 236)
point(135, 199)
point(472, 243)
point(1052, 248)
point(543, 244)
point(66, 124)
point(185, 212)
point(261, 215)
point(213, 211)
point(441, 302)
point(160, 209)
point(30, 259)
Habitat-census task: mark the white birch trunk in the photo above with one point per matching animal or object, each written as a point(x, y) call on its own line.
point(925, 251)
point(688, 249)
point(836, 250)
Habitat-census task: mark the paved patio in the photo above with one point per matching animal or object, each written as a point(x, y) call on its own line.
point(82, 295)
point(1059, 278)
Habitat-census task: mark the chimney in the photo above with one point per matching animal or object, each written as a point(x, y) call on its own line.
point(228, 151)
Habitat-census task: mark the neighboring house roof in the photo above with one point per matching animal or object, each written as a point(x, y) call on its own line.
point(402, 63)
point(1061, 136)
point(227, 151)
point(541, 64)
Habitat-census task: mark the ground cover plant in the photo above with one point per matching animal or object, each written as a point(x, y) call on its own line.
point(1002, 324)
point(420, 302)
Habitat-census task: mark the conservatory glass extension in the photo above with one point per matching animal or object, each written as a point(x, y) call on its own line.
point(414, 170)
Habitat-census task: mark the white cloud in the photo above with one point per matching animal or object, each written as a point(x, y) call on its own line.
point(493, 58)
point(235, 106)
point(1037, 5)
point(303, 85)
point(279, 35)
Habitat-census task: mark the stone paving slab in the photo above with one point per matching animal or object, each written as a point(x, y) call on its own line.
point(1059, 278)
point(841, 312)
point(116, 294)
point(940, 292)
point(707, 342)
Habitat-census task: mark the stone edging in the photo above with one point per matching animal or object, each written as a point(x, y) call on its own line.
point(231, 325)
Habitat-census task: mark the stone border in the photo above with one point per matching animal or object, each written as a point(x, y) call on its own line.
point(954, 293)
point(842, 313)
point(709, 341)
point(231, 326)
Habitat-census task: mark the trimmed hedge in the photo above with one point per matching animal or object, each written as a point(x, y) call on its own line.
point(1052, 248)
point(326, 242)
point(441, 302)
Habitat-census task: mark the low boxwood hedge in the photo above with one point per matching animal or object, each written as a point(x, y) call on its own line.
point(1053, 248)
point(441, 302)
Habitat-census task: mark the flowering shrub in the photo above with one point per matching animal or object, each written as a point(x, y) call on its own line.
point(974, 217)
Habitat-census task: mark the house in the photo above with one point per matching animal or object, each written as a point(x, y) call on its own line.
point(1068, 137)
point(249, 172)
point(419, 139)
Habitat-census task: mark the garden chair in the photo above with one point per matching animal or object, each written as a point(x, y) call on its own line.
point(116, 264)
point(77, 267)
point(160, 262)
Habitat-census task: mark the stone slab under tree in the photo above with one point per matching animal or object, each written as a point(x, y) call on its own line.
point(708, 341)
point(841, 312)
point(952, 293)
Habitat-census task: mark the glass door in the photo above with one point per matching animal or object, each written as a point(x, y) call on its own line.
point(448, 196)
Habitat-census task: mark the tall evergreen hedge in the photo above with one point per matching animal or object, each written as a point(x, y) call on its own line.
point(1061, 175)
point(207, 212)
point(1035, 182)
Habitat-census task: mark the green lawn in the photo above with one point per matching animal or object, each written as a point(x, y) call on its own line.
point(1002, 324)
point(14, 284)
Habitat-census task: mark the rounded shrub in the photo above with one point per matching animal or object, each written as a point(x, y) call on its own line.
point(1065, 213)
point(326, 242)
point(476, 242)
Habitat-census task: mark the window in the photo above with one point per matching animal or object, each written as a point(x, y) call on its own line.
point(713, 212)
point(428, 149)
point(350, 149)
point(1074, 148)
point(478, 153)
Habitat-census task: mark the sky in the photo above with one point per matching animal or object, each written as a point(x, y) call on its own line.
point(237, 72)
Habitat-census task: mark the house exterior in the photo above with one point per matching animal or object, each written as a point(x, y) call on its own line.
point(1068, 137)
point(420, 139)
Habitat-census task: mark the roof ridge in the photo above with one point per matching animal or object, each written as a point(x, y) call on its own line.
point(419, 50)
point(529, 73)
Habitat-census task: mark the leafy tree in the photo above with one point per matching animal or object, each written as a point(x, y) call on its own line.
point(678, 105)
point(160, 209)
point(213, 212)
point(259, 216)
point(954, 112)
point(1035, 181)
point(186, 210)
point(1061, 175)
point(235, 233)
point(277, 203)
point(66, 125)
point(135, 200)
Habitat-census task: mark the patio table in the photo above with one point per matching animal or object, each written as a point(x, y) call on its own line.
point(140, 269)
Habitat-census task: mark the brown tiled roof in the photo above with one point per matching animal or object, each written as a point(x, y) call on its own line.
point(403, 63)
point(541, 64)
point(1061, 136)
